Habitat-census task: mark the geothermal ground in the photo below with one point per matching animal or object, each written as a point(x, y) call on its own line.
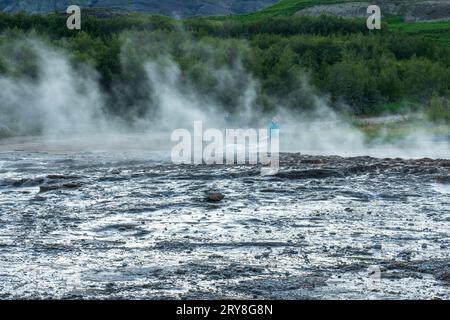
point(131, 225)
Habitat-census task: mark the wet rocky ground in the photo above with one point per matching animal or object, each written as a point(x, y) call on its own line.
point(129, 225)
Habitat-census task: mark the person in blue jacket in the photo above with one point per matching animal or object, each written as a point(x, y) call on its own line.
point(273, 125)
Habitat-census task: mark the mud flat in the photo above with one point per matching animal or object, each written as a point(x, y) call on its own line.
point(132, 225)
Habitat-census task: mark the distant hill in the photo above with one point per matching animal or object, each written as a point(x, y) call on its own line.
point(173, 8)
point(406, 10)
point(430, 18)
point(409, 10)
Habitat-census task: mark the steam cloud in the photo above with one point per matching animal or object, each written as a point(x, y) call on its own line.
point(61, 100)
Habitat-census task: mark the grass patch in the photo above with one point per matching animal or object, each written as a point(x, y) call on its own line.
point(385, 132)
point(437, 31)
point(396, 131)
point(391, 132)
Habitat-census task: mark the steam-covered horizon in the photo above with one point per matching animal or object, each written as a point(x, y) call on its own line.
point(60, 100)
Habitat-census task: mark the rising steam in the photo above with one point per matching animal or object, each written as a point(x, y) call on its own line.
point(59, 99)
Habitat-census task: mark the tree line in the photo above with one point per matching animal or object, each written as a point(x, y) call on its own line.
point(290, 58)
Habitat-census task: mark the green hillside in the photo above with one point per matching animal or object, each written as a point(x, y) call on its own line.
point(289, 7)
point(439, 31)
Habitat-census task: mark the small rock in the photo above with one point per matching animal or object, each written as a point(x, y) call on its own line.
point(59, 177)
point(43, 189)
point(47, 188)
point(215, 197)
point(377, 246)
point(443, 179)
